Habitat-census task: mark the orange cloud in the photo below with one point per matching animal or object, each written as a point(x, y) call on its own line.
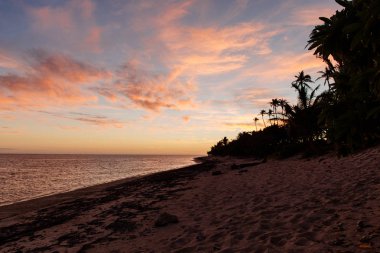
point(49, 79)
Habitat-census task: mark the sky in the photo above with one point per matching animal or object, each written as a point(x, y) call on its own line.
point(145, 76)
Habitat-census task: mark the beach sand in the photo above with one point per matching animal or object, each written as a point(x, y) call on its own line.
point(323, 204)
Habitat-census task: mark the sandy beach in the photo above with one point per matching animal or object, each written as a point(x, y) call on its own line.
point(323, 204)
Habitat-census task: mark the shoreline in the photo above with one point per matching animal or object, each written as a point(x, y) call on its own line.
point(195, 160)
point(33, 204)
point(322, 204)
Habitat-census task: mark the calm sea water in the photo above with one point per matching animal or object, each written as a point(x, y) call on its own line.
point(24, 177)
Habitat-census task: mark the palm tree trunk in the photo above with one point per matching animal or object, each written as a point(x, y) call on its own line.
point(262, 116)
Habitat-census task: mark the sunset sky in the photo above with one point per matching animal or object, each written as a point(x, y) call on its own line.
point(146, 77)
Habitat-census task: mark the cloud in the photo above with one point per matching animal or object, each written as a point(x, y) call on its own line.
point(198, 49)
point(309, 16)
point(151, 91)
point(283, 66)
point(214, 50)
point(239, 124)
point(49, 79)
point(8, 130)
point(186, 118)
point(91, 119)
point(68, 24)
point(97, 120)
point(7, 61)
point(6, 149)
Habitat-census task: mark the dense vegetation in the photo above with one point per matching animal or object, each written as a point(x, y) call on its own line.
point(346, 115)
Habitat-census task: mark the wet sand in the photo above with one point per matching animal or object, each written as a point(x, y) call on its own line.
point(324, 204)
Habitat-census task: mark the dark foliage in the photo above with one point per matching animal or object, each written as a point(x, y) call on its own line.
point(347, 114)
point(258, 144)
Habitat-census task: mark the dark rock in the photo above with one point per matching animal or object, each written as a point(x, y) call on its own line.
point(165, 219)
point(216, 173)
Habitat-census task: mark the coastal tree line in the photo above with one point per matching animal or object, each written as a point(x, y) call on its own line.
point(345, 116)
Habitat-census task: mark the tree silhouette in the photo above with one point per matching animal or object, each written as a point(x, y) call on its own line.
point(347, 114)
point(283, 103)
point(270, 113)
point(275, 103)
point(255, 120)
point(301, 84)
point(262, 113)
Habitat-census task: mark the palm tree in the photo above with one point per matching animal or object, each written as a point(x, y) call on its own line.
point(262, 113)
point(301, 84)
point(350, 38)
point(225, 141)
point(274, 103)
point(256, 119)
point(270, 113)
point(327, 74)
point(282, 102)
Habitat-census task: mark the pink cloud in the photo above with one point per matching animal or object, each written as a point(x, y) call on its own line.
point(186, 118)
point(8, 130)
point(155, 91)
point(309, 16)
point(48, 18)
point(74, 21)
point(175, 12)
point(283, 67)
point(198, 50)
point(257, 97)
point(101, 121)
point(49, 79)
point(7, 61)
point(96, 120)
point(213, 50)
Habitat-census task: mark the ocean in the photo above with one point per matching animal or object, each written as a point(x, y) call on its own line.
point(24, 176)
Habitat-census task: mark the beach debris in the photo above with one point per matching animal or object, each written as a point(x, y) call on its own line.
point(217, 247)
point(364, 246)
point(165, 219)
point(338, 242)
point(216, 173)
point(244, 165)
point(366, 239)
point(361, 224)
